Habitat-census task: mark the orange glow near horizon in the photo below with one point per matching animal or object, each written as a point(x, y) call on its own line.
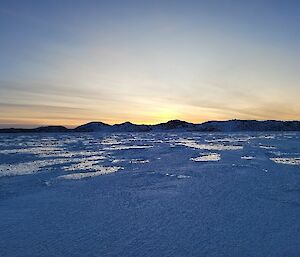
point(159, 115)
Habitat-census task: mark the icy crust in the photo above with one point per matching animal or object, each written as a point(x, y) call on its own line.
point(111, 141)
point(288, 161)
point(211, 146)
point(278, 153)
point(33, 150)
point(267, 147)
point(183, 176)
point(135, 161)
point(40, 165)
point(229, 139)
point(101, 170)
point(247, 157)
point(207, 157)
point(79, 195)
point(127, 147)
point(178, 176)
point(28, 167)
point(21, 168)
point(88, 164)
point(89, 152)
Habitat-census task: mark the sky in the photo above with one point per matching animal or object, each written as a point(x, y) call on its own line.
point(71, 62)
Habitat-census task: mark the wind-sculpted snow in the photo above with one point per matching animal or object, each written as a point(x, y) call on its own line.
point(127, 147)
point(87, 164)
point(247, 157)
point(20, 168)
point(150, 194)
point(210, 146)
point(207, 157)
point(100, 171)
point(267, 147)
point(32, 150)
point(289, 161)
point(139, 161)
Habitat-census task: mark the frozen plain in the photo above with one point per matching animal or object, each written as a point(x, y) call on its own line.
point(150, 194)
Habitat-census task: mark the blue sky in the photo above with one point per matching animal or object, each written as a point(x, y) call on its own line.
point(70, 62)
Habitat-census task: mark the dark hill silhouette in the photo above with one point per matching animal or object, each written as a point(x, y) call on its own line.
point(130, 127)
point(44, 129)
point(175, 124)
point(93, 126)
point(172, 125)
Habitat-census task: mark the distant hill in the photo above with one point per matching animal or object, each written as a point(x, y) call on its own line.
point(130, 127)
point(175, 124)
point(172, 125)
point(46, 129)
point(93, 126)
point(249, 125)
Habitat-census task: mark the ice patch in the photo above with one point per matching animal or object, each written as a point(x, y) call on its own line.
point(183, 176)
point(267, 147)
point(28, 167)
point(267, 137)
point(127, 147)
point(110, 141)
point(101, 170)
point(34, 150)
point(48, 152)
point(288, 161)
point(229, 139)
point(216, 147)
point(19, 169)
point(87, 164)
point(118, 160)
point(139, 161)
point(207, 157)
point(68, 154)
point(278, 153)
point(36, 166)
point(247, 157)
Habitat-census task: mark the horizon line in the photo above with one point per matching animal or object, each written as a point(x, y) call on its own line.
point(33, 126)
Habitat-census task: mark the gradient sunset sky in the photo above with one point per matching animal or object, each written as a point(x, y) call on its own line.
point(70, 62)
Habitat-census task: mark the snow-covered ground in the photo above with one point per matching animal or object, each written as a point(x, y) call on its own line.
point(150, 194)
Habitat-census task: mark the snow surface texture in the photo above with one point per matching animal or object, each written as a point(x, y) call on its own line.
point(150, 194)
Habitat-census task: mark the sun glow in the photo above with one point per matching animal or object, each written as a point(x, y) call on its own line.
point(166, 114)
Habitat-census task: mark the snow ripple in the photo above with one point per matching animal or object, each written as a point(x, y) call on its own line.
point(101, 170)
point(216, 147)
point(127, 147)
point(288, 161)
point(207, 157)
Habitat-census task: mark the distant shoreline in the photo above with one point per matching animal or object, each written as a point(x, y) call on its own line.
point(172, 125)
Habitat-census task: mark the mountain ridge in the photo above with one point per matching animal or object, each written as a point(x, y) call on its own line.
point(234, 125)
